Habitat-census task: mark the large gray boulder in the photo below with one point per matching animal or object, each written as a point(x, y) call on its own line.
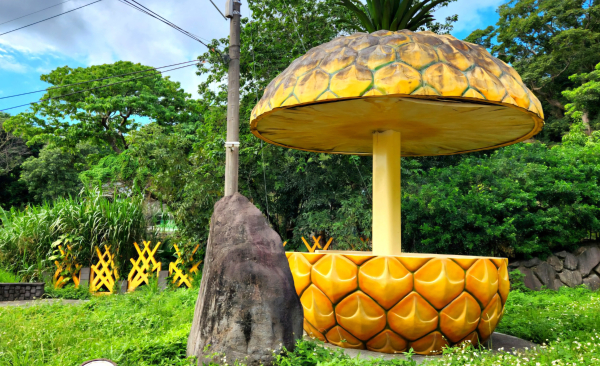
point(514, 265)
point(593, 282)
point(570, 262)
point(588, 259)
point(555, 262)
point(570, 278)
point(546, 274)
point(558, 284)
point(535, 261)
point(562, 254)
point(530, 280)
point(247, 307)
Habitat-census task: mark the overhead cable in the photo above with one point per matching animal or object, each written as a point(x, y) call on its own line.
point(90, 89)
point(134, 4)
point(43, 20)
point(35, 12)
point(219, 10)
point(89, 81)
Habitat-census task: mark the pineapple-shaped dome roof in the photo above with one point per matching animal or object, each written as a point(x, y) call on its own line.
point(443, 95)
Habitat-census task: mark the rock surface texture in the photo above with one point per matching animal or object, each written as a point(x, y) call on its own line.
point(588, 259)
point(562, 269)
point(247, 306)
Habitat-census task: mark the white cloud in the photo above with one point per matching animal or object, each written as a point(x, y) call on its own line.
point(9, 63)
point(109, 31)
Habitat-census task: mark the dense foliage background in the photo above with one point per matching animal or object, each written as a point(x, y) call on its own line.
point(523, 200)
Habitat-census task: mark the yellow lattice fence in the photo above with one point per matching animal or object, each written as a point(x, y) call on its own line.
point(144, 266)
point(104, 274)
point(177, 269)
point(317, 244)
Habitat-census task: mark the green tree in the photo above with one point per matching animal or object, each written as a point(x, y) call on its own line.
point(13, 151)
point(546, 41)
point(102, 116)
point(55, 172)
point(584, 100)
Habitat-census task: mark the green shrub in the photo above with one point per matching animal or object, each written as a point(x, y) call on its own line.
point(68, 292)
point(8, 277)
point(524, 200)
point(90, 220)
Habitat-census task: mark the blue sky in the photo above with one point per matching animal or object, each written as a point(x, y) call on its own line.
point(109, 31)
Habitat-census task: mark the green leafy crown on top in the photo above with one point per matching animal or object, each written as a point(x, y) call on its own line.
point(392, 15)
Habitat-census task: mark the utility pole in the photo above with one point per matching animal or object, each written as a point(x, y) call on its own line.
point(232, 145)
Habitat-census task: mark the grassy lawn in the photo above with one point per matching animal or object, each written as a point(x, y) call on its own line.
point(143, 328)
point(151, 328)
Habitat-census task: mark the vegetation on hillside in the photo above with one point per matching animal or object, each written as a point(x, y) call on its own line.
point(518, 201)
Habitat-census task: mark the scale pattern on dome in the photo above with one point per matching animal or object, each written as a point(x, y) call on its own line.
point(391, 304)
point(397, 63)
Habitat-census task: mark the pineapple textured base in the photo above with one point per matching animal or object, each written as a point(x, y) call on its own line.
point(390, 304)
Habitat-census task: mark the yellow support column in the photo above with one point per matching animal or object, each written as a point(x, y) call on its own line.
point(386, 193)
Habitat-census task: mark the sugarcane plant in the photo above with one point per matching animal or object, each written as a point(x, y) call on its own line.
point(392, 15)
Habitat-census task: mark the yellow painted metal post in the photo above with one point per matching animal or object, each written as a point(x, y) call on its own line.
point(386, 193)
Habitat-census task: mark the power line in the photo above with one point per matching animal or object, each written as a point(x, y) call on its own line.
point(43, 20)
point(219, 10)
point(89, 81)
point(90, 89)
point(35, 12)
point(134, 4)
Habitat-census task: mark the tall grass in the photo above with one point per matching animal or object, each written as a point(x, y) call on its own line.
point(90, 220)
point(7, 277)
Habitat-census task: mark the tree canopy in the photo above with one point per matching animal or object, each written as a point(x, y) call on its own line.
point(12, 149)
point(546, 41)
point(584, 100)
point(76, 109)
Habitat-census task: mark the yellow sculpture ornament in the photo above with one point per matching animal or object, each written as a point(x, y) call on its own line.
point(393, 303)
point(104, 274)
point(180, 275)
point(143, 266)
point(392, 95)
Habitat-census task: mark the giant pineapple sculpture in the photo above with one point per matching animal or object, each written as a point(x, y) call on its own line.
point(389, 93)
